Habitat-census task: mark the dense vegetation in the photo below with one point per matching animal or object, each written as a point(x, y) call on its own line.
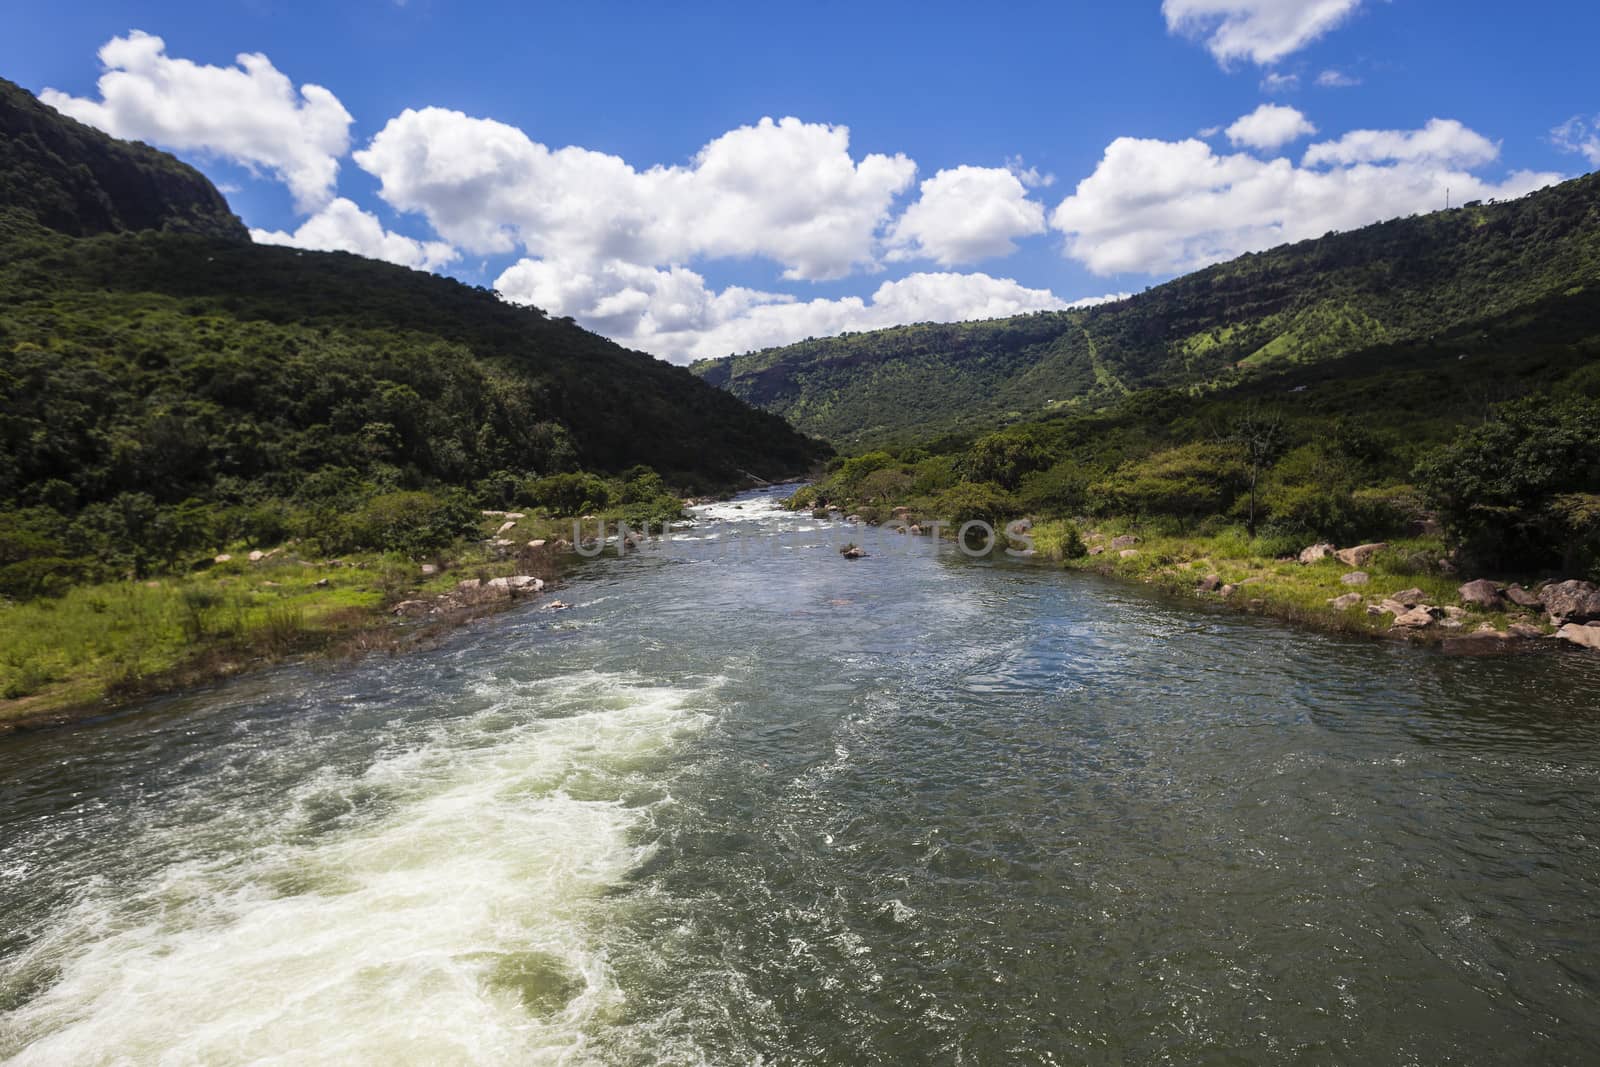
point(76, 180)
point(166, 394)
point(1410, 280)
point(1491, 435)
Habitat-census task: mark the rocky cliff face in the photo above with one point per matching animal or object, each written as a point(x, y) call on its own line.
point(73, 178)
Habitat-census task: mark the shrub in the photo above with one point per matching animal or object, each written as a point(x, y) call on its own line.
point(1498, 486)
point(412, 523)
point(1060, 490)
point(1186, 483)
point(1003, 459)
point(569, 494)
point(884, 486)
point(1059, 541)
point(968, 501)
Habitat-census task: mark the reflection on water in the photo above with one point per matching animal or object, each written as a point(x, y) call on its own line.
point(768, 804)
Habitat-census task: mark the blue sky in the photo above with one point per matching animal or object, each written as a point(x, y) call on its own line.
point(999, 158)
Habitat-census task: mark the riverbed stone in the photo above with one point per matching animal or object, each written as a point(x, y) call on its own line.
point(1360, 555)
point(1572, 601)
point(1582, 636)
point(1520, 596)
point(1415, 619)
point(1317, 553)
point(1480, 594)
point(411, 609)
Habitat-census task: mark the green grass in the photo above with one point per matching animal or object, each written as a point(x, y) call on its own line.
point(100, 644)
point(1280, 588)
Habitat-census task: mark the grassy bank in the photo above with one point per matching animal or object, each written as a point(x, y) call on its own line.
point(1280, 588)
point(101, 645)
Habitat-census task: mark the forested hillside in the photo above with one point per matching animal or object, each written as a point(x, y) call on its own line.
point(74, 179)
point(1406, 280)
point(167, 387)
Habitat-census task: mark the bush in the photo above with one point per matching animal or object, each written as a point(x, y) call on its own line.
point(1059, 541)
point(1061, 490)
point(641, 484)
point(413, 523)
point(930, 477)
point(1185, 483)
point(570, 494)
point(1003, 459)
point(886, 486)
point(968, 502)
point(1498, 487)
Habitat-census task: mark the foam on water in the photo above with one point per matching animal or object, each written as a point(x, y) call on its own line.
point(452, 925)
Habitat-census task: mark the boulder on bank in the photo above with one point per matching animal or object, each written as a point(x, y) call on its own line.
point(1415, 619)
point(1521, 597)
point(517, 583)
point(1210, 583)
point(1409, 597)
point(1480, 594)
point(1128, 553)
point(1317, 553)
point(1346, 602)
point(412, 609)
point(1482, 643)
point(1125, 541)
point(1572, 601)
point(1360, 555)
point(1356, 578)
point(1582, 636)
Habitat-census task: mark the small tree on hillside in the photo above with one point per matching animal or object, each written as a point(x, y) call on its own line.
point(1260, 436)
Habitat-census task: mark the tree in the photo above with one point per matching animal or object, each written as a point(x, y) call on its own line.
point(1260, 436)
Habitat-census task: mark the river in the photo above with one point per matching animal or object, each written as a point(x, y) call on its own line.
point(747, 802)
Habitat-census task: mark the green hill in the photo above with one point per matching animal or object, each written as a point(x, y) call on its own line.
point(74, 179)
point(163, 380)
point(1406, 280)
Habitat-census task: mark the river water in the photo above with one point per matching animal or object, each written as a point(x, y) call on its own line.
point(748, 802)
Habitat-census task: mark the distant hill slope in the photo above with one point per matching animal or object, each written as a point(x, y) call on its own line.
point(1404, 280)
point(74, 179)
point(182, 362)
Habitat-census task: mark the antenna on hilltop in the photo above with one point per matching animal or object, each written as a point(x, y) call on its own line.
point(1447, 198)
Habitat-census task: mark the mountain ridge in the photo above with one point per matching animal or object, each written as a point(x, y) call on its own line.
point(76, 180)
point(1303, 303)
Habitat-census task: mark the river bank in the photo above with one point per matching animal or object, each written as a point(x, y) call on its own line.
point(1404, 590)
point(1393, 590)
point(98, 648)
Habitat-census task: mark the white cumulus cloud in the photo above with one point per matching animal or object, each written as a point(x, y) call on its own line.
point(250, 113)
point(1270, 126)
point(1158, 207)
point(673, 313)
point(964, 215)
point(784, 190)
point(1580, 137)
point(1442, 141)
point(1261, 31)
point(343, 227)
